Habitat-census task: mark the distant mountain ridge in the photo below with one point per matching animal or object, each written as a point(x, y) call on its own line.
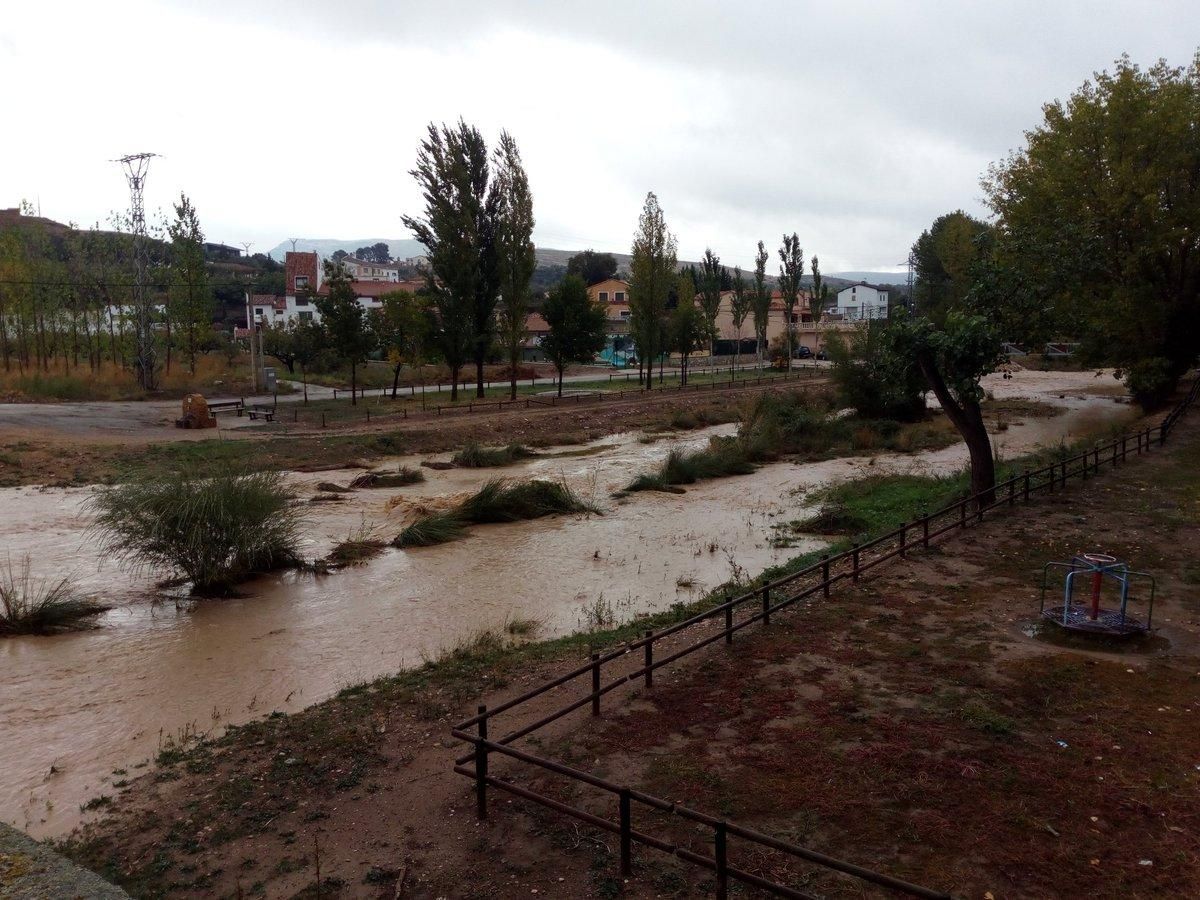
point(896, 278)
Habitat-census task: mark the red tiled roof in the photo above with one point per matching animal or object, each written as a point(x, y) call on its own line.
point(535, 323)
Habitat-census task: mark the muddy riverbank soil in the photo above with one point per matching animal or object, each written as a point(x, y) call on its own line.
point(911, 724)
point(36, 454)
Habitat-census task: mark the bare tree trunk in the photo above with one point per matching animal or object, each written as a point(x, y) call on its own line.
point(395, 380)
point(353, 383)
point(479, 376)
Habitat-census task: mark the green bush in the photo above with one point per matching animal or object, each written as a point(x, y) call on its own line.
point(216, 531)
point(1151, 382)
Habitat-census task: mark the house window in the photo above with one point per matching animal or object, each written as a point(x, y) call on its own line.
point(302, 300)
point(302, 282)
point(604, 296)
point(306, 316)
point(258, 310)
point(625, 314)
point(619, 296)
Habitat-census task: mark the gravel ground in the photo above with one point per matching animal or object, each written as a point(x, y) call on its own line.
point(32, 870)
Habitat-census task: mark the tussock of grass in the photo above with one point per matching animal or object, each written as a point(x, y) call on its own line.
point(496, 501)
point(721, 458)
point(329, 487)
point(502, 501)
point(354, 551)
point(33, 606)
point(834, 518)
point(435, 528)
point(216, 531)
point(405, 475)
point(473, 456)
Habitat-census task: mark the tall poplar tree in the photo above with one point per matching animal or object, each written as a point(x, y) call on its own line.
point(710, 294)
point(515, 257)
point(189, 300)
point(458, 232)
point(791, 271)
point(652, 275)
point(761, 302)
point(739, 308)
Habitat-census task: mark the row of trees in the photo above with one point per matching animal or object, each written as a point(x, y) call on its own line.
point(664, 316)
point(67, 294)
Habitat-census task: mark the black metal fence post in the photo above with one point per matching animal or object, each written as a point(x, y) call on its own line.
point(481, 766)
point(721, 857)
point(1026, 486)
point(825, 574)
point(924, 529)
point(595, 684)
point(649, 659)
point(854, 560)
point(766, 602)
point(962, 514)
point(903, 539)
point(728, 621)
point(626, 834)
point(1012, 491)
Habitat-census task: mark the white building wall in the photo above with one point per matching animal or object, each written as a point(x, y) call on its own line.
point(862, 301)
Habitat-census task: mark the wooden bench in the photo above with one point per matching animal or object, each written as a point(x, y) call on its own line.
point(263, 412)
point(216, 406)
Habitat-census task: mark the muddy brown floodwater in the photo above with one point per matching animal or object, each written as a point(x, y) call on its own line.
point(80, 710)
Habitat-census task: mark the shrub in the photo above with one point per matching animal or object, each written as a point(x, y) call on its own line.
point(1151, 382)
point(30, 606)
point(473, 456)
point(216, 531)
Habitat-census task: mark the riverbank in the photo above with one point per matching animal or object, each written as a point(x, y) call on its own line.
point(373, 758)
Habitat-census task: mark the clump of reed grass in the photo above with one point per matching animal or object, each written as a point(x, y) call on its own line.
point(355, 550)
point(435, 528)
point(216, 531)
point(405, 475)
point(474, 456)
point(721, 458)
point(329, 487)
point(29, 605)
point(497, 501)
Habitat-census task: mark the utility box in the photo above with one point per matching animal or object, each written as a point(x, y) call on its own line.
point(268, 379)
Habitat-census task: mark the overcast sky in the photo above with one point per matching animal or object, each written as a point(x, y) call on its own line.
point(853, 124)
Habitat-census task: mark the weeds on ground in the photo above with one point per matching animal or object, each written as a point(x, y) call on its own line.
point(39, 606)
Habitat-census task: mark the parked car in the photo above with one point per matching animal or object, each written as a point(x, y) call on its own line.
point(822, 354)
point(803, 352)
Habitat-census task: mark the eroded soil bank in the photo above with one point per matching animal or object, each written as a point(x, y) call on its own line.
point(84, 709)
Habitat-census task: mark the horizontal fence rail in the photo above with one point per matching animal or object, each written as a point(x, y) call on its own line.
point(734, 615)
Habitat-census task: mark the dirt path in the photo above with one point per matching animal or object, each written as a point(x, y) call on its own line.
point(909, 724)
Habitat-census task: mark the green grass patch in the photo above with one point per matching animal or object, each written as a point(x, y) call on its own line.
point(435, 528)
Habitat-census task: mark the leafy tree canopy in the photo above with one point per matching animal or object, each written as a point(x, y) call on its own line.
point(592, 266)
point(1099, 218)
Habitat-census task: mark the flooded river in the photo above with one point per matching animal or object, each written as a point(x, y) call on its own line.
point(76, 710)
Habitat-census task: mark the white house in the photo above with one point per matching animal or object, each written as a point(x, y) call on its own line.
point(361, 270)
point(862, 301)
point(303, 282)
